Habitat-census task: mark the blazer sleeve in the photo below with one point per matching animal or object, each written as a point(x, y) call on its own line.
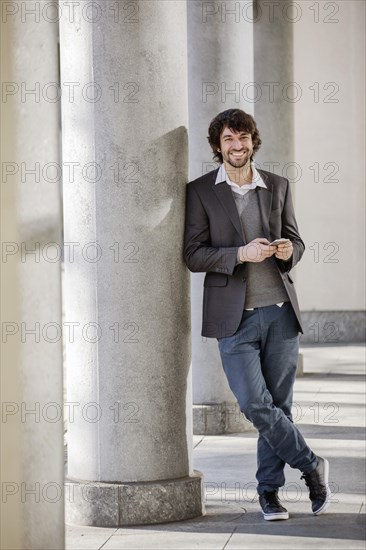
point(290, 231)
point(199, 254)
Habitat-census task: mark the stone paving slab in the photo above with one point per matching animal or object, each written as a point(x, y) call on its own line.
point(169, 541)
point(265, 542)
point(86, 538)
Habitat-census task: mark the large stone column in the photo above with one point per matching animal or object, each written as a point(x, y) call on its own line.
point(126, 286)
point(277, 93)
point(274, 77)
point(32, 466)
point(220, 69)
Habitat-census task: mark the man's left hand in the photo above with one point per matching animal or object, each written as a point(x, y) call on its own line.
point(284, 251)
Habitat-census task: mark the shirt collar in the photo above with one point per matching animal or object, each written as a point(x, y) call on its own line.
point(257, 180)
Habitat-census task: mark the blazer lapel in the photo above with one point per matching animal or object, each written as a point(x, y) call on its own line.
point(225, 196)
point(265, 202)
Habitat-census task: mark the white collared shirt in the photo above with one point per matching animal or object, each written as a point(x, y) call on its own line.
point(257, 180)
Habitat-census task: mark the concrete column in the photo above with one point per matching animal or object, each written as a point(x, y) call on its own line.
point(274, 107)
point(126, 286)
point(220, 69)
point(32, 514)
point(274, 75)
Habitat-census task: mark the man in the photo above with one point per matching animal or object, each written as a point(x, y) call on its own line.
point(233, 215)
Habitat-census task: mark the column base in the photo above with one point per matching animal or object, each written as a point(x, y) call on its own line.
point(219, 418)
point(99, 504)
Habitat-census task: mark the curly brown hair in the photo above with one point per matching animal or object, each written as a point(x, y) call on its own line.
point(237, 121)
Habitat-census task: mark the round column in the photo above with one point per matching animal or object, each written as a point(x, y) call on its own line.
point(274, 111)
point(220, 72)
point(32, 448)
point(126, 286)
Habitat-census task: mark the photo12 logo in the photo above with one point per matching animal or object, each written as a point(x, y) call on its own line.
point(71, 92)
point(270, 92)
point(270, 11)
point(70, 11)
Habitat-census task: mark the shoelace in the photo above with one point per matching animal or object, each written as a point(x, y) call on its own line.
point(316, 487)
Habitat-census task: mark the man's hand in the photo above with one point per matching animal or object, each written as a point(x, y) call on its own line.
point(284, 250)
point(257, 250)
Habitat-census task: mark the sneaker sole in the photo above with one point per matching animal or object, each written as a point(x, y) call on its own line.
point(329, 494)
point(274, 517)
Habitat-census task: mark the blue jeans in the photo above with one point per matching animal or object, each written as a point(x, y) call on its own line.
point(260, 362)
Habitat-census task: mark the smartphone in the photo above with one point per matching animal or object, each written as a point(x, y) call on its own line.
point(279, 241)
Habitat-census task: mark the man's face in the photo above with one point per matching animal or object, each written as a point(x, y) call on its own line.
point(236, 147)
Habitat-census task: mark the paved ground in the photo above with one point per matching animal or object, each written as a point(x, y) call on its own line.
point(329, 404)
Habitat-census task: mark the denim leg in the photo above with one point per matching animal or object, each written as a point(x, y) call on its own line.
point(270, 467)
point(248, 359)
point(279, 356)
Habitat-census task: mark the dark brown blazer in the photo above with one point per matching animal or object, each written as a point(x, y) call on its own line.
point(213, 235)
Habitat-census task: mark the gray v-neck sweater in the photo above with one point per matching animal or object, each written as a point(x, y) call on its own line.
point(264, 283)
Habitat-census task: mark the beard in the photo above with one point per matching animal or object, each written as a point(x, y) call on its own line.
point(239, 163)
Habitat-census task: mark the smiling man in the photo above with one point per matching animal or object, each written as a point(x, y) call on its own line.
point(241, 230)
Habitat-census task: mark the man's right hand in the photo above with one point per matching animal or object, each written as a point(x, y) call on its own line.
point(256, 251)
